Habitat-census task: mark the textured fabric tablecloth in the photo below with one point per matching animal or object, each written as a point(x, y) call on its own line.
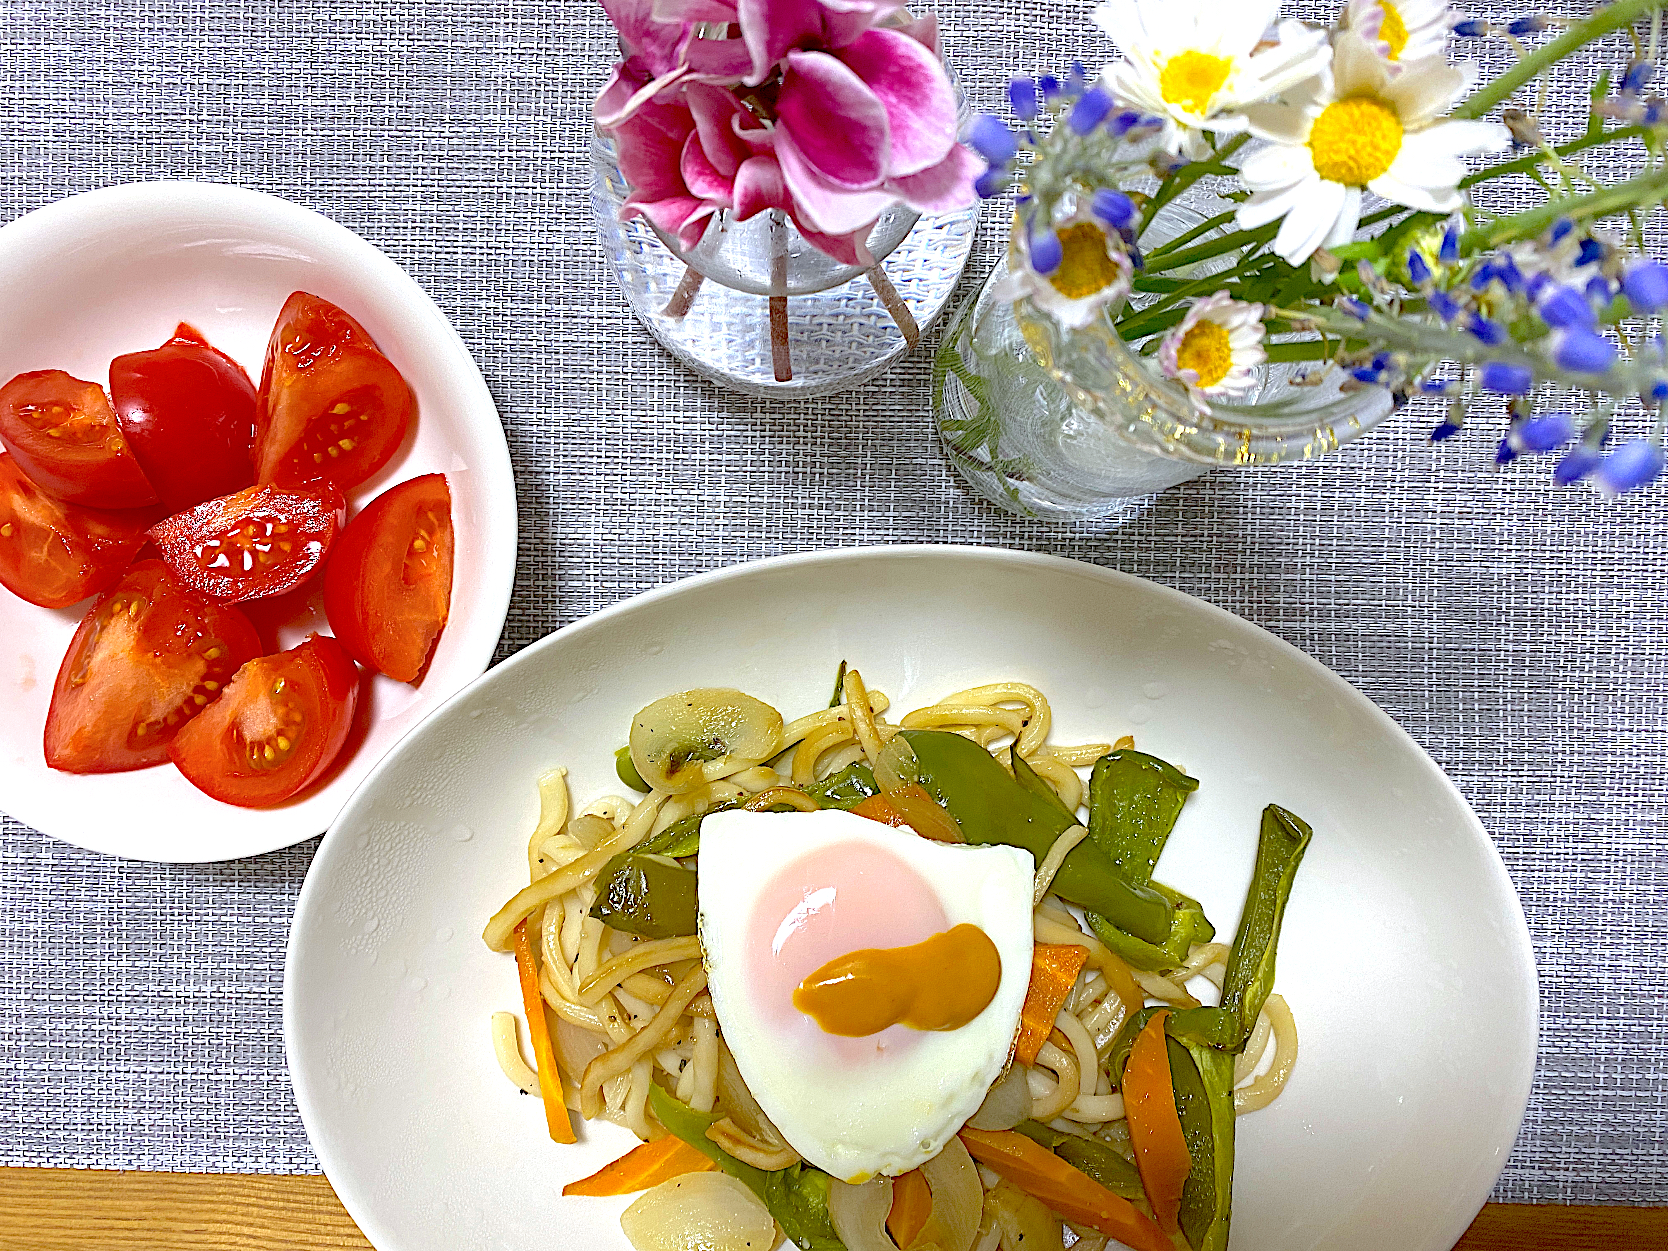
point(1520, 634)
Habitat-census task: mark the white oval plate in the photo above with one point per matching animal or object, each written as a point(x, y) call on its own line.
point(1405, 956)
point(114, 271)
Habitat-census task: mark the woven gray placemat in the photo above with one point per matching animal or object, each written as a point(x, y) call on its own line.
point(1520, 634)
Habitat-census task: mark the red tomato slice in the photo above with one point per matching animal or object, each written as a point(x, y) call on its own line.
point(189, 414)
point(150, 656)
point(56, 554)
point(258, 542)
point(388, 588)
point(333, 408)
point(65, 438)
point(281, 723)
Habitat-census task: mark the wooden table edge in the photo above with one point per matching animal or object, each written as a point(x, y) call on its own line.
point(53, 1209)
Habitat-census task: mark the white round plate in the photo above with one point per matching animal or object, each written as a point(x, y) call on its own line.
point(114, 271)
point(1405, 956)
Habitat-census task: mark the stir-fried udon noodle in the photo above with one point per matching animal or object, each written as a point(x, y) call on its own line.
point(631, 1012)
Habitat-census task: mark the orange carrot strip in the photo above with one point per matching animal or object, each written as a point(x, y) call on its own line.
point(1073, 1194)
point(879, 808)
point(911, 1206)
point(643, 1166)
point(1054, 971)
point(1155, 1129)
point(550, 1078)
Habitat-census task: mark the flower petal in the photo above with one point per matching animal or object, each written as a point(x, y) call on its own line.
point(1357, 70)
point(1424, 91)
point(943, 188)
point(683, 216)
point(1277, 166)
point(824, 206)
point(714, 111)
point(643, 34)
point(1343, 230)
point(771, 27)
point(1265, 206)
point(1279, 123)
point(759, 186)
point(701, 177)
point(650, 144)
point(840, 127)
point(1309, 222)
point(910, 82)
point(1429, 199)
point(848, 249)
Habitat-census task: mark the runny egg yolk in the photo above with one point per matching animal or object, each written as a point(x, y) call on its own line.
point(940, 984)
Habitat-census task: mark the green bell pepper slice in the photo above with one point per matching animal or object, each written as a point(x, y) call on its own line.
point(991, 807)
point(1028, 777)
point(1202, 1079)
point(1088, 1155)
point(1134, 800)
point(1188, 925)
point(845, 789)
point(1196, 1027)
point(643, 893)
point(797, 1196)
point(1250, 974)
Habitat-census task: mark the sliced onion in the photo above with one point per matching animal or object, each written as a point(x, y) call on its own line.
point(957, 1199)
point(1007, 1103)
point(749, 1150)
point(859, 1213)
point(896, 767)
point(1026, 1223)
point(699, 1212)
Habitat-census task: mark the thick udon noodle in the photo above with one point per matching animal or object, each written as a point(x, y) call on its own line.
point(627, 1007)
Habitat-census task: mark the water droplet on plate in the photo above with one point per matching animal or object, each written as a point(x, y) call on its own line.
point(462, 833)
point(1155, 690)
point(416, 983)
point(370, 925)
point(654, 649)
point(1140, 714)
point(444, 933)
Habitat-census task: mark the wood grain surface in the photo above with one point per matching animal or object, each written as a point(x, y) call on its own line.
point(80, 1210)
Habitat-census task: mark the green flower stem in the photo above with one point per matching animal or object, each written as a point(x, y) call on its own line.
point(1528, 163)
point(1215, 247)
point(1178, 181)
point(1203, 228)
point(1647, 189)
point(1621, 13)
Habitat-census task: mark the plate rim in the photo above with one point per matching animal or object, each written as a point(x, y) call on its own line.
point(308, 1102)
point(496, 582)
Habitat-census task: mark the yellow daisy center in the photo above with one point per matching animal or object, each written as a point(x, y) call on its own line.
point(1085, 265)
point(1393, 31)
point(1355, 140)
point(1192, 79)
point(1206, 351)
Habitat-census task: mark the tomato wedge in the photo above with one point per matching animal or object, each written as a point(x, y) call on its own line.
point(257, 542)
point(188, 412)
point(64, 435)
point(278, 727)
point(332, 406)
point(56, 554)
point(148, 657)
point(388, 588)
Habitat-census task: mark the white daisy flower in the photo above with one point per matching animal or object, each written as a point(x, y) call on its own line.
point(1403, 31)
point(1359, 126)
point(1091, 274)
point(1216, 349)
point(1195, 63)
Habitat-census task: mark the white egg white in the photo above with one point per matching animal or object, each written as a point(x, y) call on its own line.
point(892, 1111)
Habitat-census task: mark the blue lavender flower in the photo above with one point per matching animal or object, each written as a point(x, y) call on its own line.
point(1436, 386)
point(1046, 252)
point(1446, 430)
point(1592, 251)
point(1632, 465)
point(1567, 307)
point(1504, 378)
point(1582, 350)
point(1576, 464)
point(1090, 110)
point(989, 136)
point(1354, 307)
point(1114, 208)
point(1505, 268)
point(1417, 268)
point(1445, 305)
point(1505, 454)
point(1482, 276)
point(1490, 332)
point(1543, 433)
point(1560, 229)
point(1646, 286)
point(993, 182)
point(1023, 98)
point(1639, 73)
point(1449, 252)
point(1531, 25)
point(1367, 374)
point(1472, 28)
point(1049, 86)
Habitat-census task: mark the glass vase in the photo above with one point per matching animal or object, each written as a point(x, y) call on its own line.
point(1077, 425)
point(754, 307)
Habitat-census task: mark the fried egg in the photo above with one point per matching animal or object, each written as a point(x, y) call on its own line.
point(787, 895)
